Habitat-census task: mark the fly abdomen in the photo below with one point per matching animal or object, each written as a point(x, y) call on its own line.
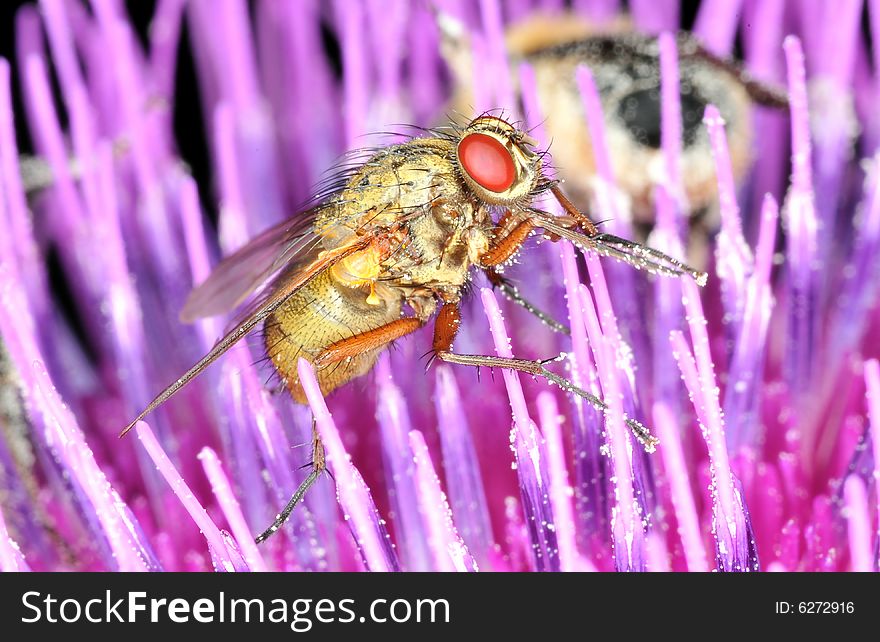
point(324, 313)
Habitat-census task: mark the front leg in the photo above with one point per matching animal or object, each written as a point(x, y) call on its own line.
point(501, 251)
point(504, 248)
point(445, 329)
point(511, 293)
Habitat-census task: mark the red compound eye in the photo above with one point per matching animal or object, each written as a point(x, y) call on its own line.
point(487, 161)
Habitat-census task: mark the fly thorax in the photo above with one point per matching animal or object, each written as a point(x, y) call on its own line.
point(434, 254)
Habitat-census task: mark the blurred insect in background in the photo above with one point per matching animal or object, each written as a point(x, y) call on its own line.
point(389, 245)
point(626, 69)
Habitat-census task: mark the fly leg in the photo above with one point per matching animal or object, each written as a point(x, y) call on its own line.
point(511, 293)
point(445, 329)
point(365, 341)
point(590, 239)
point(334, 353)
point(502, 250)
point(319, 465)
point(505, 247)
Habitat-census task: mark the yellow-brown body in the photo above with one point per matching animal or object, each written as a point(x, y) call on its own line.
point(391, 246)
point(433, 231)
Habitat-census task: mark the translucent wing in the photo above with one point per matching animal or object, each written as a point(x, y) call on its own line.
point(283, 258)
point(238, 275)
point(280, 290)
point(284, 246)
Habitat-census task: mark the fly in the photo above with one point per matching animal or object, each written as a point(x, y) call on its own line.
point(390, 249)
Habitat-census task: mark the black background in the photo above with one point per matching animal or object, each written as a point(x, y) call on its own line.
point(188, 126)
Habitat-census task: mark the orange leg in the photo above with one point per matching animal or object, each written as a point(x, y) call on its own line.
point(504, 220)
point(496, 279)
point(366, 341)
point(446, 327)
point(586, 224)
point(502, 251)
point(509, 245)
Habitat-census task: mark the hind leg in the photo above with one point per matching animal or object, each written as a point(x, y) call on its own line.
point(350, 347)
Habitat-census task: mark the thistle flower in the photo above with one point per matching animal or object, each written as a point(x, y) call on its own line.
point(764, 389)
